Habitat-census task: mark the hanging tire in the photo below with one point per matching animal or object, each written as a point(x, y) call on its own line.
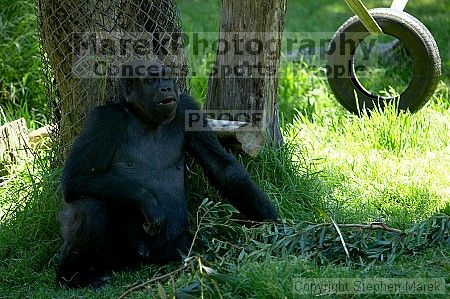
point(412, 34)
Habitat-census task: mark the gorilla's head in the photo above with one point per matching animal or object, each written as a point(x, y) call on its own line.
point(150, 90)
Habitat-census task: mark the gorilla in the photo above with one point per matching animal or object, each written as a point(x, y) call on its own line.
point(123, 181)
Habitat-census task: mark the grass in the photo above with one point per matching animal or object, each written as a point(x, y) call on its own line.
point(388, 167)
point(22, 92)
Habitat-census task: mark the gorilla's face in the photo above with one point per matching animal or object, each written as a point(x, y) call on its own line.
point(154, 96)
point(157, 98)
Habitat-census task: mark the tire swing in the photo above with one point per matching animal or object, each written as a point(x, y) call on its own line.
point(413, 36)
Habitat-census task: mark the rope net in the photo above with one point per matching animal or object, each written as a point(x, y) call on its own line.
point(83, 42)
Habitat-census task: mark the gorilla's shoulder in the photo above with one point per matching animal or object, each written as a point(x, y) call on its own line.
point(107, 115)
point(188, 103)
point(109, 109)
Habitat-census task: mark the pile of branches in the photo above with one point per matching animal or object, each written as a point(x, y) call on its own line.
point(224, 237)
point(222, 240)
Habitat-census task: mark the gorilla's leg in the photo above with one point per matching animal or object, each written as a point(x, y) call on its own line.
point(85, 251)
point(171, 250)
point(133, 245)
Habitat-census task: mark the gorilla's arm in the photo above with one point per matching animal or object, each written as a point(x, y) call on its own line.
point(226, 173)
point(87, 171)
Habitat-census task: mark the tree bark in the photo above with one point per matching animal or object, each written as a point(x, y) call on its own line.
point(249, 23)
point(70, 98)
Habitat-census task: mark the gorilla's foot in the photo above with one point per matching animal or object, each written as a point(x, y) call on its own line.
point(84, 279)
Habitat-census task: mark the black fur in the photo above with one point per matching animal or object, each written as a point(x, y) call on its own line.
point(123, 183)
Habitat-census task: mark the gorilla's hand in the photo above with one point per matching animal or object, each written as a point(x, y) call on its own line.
point(152, 219)
point(152, 227)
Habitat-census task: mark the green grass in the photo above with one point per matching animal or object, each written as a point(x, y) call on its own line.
point(22, 92)
point(388, 167)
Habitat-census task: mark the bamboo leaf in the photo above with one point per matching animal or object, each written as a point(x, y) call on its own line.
point(161, 292)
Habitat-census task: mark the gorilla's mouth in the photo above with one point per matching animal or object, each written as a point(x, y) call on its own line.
point(167, 101)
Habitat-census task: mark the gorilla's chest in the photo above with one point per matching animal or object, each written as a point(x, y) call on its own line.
point(147, 152)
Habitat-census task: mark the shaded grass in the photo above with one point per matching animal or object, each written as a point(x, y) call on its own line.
point(252, 278)
point(21, 82)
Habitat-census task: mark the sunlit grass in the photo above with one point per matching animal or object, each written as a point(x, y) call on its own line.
point(389, 165)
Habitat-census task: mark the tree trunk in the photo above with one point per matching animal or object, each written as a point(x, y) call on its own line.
point(249, 24)
point(70, 98)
